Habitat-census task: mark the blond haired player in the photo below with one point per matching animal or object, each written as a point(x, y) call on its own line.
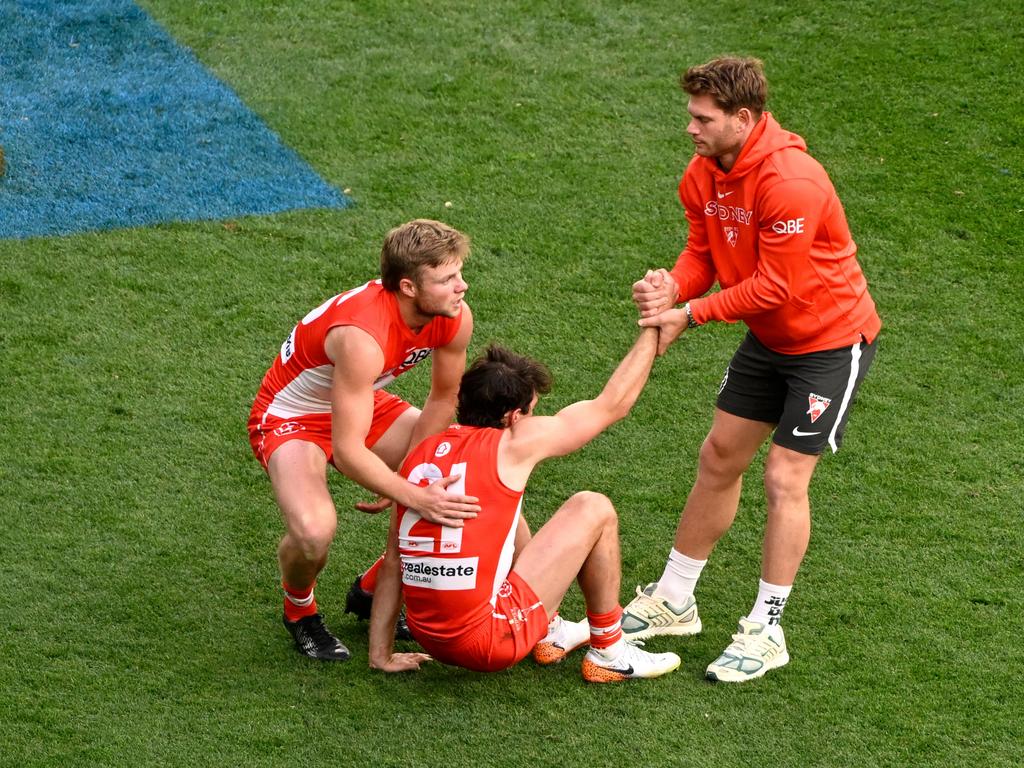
point(323, 403)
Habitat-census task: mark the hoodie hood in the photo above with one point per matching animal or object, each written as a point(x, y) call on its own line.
point(766, 138)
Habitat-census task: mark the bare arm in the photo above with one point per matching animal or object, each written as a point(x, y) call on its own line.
point(357, 362)
point(672, 323)
point(387, 599)
point(439, 409)
point(536, 438)
point(449, 363)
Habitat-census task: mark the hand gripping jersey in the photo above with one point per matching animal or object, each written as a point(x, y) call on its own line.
point(299, 381)
point(773, 233)
point(451, 576)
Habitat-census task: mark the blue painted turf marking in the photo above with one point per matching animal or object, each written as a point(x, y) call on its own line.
point(107, 122)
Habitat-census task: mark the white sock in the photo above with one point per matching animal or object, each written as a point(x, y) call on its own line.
point(553, 627)
point(680, 578)
point(771, 601)
point(612, 651)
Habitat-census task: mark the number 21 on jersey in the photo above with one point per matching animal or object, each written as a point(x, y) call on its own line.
point(415, 533)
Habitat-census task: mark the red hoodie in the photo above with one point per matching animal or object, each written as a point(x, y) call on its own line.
point(773, 233)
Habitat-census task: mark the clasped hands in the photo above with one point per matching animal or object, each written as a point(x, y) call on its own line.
point(655, 296)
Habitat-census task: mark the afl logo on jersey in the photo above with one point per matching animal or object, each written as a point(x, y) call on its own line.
point(443, 449)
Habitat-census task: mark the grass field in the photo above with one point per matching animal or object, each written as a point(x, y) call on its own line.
point(141, 607)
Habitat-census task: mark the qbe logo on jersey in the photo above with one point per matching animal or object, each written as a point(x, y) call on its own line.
point(789, 227)
point(288, 347)
point(441, 573)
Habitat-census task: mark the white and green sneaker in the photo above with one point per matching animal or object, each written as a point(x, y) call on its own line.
point(754, 650)
point(649, 616)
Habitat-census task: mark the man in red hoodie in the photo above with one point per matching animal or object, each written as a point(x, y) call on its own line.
point(766, 225)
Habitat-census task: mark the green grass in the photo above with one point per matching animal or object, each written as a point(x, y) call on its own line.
point(140, 598)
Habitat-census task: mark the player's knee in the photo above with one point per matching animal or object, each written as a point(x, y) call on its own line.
point(597, 507)
point(313, 538)
point(718, 461)
point(783, 488)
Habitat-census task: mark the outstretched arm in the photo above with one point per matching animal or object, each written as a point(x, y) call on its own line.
point(536, 438)
point(671, 323)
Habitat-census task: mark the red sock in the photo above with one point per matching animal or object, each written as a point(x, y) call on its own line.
point(298, 603)
point(368, 581)
point(605, 628)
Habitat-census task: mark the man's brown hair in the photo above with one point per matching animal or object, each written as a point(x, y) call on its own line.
point(731, 82)
point(497, 382)
point(417, 244)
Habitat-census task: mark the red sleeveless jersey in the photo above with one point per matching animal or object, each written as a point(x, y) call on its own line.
point(451, 576)
point(299, 381)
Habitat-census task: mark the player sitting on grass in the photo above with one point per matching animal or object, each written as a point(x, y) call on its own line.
point(482, 596)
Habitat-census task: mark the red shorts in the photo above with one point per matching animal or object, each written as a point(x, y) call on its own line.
point(517, 623)
point(268, 433)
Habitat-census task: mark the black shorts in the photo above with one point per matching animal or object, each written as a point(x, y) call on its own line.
point(807, 396)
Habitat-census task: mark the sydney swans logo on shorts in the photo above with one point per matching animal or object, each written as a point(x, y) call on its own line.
point(817, 404)
point(288, 428)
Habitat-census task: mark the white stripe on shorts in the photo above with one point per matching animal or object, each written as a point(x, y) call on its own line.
point(850, 384)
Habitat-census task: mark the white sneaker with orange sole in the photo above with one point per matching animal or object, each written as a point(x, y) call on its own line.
point(632, 662)
point(563, 638)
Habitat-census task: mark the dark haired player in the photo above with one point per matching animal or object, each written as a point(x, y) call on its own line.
point(482, 596)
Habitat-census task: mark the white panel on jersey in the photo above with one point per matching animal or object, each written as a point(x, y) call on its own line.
point(304, 394)
point(450, 539)
point(508, 550)
point(338, 299)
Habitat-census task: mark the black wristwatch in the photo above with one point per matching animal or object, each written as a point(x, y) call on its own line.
point(690, 322)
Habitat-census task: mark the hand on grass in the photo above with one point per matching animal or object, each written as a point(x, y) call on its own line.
point(403, 662)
